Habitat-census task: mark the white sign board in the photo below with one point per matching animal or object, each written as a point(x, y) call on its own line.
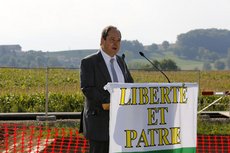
point(153, 117)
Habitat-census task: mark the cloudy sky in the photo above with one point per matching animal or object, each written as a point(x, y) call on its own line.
point(55, 25)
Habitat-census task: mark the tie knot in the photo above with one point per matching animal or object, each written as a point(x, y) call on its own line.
point(112, 60)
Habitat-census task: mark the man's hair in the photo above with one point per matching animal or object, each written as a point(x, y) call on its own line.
point(106, 30)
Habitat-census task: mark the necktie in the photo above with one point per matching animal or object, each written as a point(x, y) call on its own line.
point(114, 75)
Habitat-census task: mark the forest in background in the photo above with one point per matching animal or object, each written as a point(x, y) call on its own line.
point(199, 49)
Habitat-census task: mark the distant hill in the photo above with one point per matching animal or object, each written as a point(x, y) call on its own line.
point(203, 49)
point(70, 58)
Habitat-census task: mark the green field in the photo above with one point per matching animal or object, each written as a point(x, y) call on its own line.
point(23, 90)
point(30, 81)
point(183, 64)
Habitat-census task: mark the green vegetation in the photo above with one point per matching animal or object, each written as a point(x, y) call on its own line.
point(185, 64)
point(23, 90)
point(213, 128)
point(36, 102)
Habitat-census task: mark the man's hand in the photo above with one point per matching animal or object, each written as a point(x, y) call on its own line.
point(106, 106)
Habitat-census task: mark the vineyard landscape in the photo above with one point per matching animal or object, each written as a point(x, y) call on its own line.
point(23, 90)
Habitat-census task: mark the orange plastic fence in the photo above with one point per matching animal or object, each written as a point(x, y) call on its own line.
point(213, 144)
point(16, 138)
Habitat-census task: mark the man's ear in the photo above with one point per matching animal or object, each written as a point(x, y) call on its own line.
point(102, 42)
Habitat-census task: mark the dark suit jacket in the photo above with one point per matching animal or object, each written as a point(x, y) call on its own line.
point(94, 76)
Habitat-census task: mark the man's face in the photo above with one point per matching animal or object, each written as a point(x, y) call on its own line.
point(111, 44)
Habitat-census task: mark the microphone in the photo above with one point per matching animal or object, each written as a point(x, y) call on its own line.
point(123, 56)
point(142, 54)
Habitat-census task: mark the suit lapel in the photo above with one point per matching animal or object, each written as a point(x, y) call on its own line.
point(102, 67)
point(122, 67)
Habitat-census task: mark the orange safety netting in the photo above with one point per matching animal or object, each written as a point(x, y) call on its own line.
point(17, 138)
point(213, 144)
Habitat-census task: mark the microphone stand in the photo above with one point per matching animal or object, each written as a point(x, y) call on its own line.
point(142, 54)
point(123, 61)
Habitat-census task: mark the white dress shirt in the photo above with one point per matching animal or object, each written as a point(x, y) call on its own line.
point(116, 67)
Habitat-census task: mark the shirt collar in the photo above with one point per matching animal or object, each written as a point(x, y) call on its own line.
point(106, 56)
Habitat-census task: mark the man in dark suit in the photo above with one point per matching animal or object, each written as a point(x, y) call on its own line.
point(96, 71)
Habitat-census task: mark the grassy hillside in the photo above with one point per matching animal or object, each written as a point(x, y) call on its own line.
point(182, 63)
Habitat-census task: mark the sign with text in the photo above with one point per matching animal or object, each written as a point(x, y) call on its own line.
point(153, 117)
